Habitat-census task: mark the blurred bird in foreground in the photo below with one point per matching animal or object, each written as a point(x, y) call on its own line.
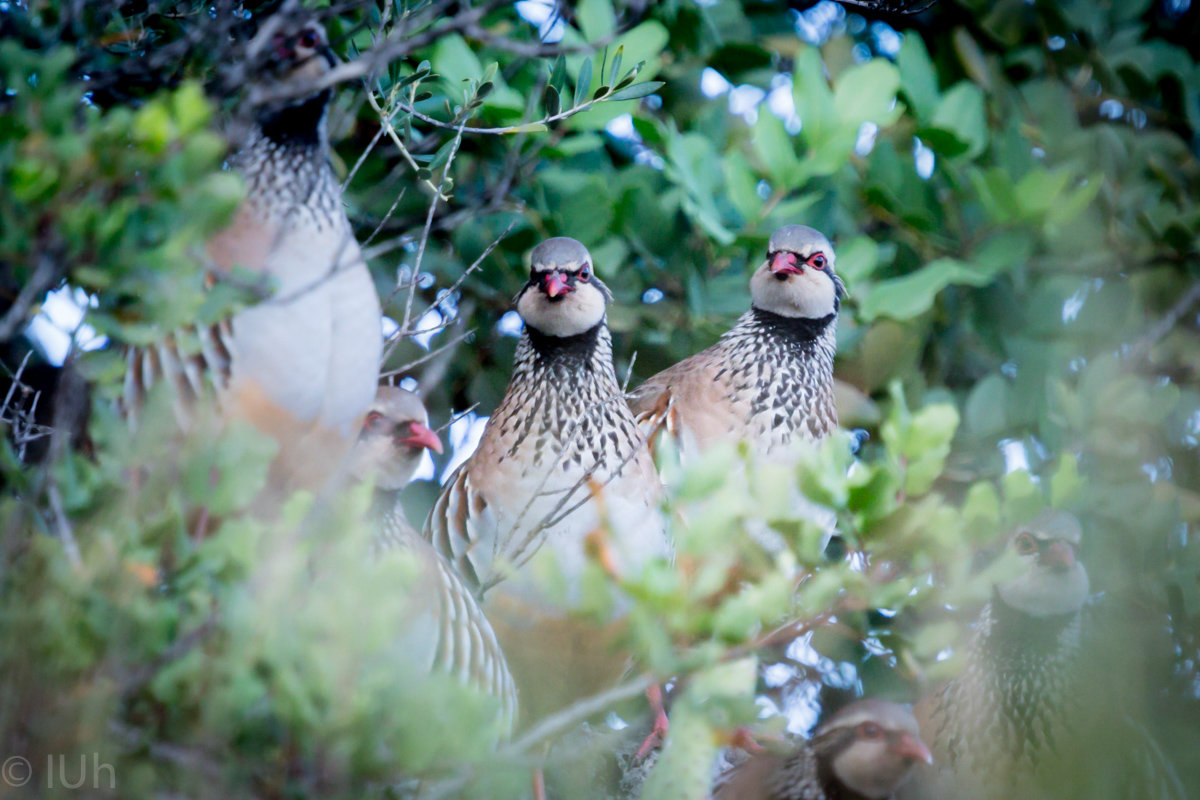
point(302, 364)
point(863, 752)
point(449, 633)
point(1036, 712)
point(561, 469)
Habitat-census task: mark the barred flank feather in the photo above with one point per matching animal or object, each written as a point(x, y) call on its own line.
point(465, 647)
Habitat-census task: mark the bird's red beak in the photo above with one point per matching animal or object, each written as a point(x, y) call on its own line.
point(1058, 556)
point(783, 263)
point(556, 284)
point(421, 436)
point(912, 748)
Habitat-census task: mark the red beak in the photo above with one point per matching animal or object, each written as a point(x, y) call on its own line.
point(1058, 556)
point(421, 436)
point(912, 748)
point(556, 284)
point(785, 264)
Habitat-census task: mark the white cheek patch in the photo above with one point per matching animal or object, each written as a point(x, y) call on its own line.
point(577, 312)
point(815, 295)
point(865, 767)
point(1041, 592)
point(810, 294)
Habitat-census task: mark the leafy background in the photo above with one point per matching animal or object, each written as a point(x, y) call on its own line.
point(1012, 192)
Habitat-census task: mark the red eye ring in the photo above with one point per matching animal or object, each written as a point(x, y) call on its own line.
point(1026, 545)
point(373, 419)
point(308, 38)
point(869, 730)
point(816, 261)
point(585, 273)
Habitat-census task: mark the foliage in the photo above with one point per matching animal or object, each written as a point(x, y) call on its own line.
point(1012, 189)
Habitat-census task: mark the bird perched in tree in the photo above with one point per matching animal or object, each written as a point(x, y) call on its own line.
point(449, 631)
point(769, 380)
point(863, 752)
point(562, 453)
point(1025, 718)
point(302, 364)
point(561, 467)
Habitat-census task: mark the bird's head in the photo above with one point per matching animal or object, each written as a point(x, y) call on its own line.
point(1049, 580)
point(394, 435)
point(797, 278)
point(299, 52)
point(563, 296)
point(871, 746)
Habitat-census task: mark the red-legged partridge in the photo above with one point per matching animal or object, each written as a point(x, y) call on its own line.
point(1030, 716)
point(449, 633)
point(561, 460)
point(301, 365)
point(769, 380)
point(864, 752)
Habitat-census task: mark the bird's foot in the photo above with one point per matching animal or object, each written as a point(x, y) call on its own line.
point(658, 731)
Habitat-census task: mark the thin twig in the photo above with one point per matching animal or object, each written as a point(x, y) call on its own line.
point(1141, 347)
point(427, 356)
point(577, 712)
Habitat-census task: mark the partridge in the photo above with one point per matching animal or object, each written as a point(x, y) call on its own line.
point(769, 380)
point(562, 453)
point(448, 632)
point(864, 752)
point(301, 364)
point(1025, 718)
point(561, 467)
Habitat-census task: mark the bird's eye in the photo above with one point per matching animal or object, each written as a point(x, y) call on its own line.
point(817, 261)
point(308, 38)
point(585, 274)
point(869, 730)
point(1026, 544)
point(374, 419)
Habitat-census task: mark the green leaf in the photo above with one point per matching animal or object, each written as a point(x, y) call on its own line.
point(583, 83)
point(913, 294)
point(637, 91)
point(987, 406)
point(961, 112)
point(867, 93)
point(550, 101)
point(1066, 484)
point(917, 76)
point(811, 95)
point(596, 19)
point(614, 71)
point(558, 74)
point(776, 151)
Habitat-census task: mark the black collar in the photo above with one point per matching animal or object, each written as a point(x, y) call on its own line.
point(802, 330)
point(564, 349)
point(296, 124)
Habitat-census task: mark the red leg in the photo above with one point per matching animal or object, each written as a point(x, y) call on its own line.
point(539, 784)
point(658, 732)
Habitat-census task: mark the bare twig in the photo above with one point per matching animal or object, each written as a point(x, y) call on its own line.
point(1141, 347)
point(578, 712)
point(61, 526)
point(44, 276)
point(431, 354)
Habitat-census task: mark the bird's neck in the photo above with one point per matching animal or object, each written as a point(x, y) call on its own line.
point(286, 161)
point(826, 749)
point(583, 353)
point(782, 368)
point(1008, 630)
point(801, 332)
point(1023, 666)
point(297, 125)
